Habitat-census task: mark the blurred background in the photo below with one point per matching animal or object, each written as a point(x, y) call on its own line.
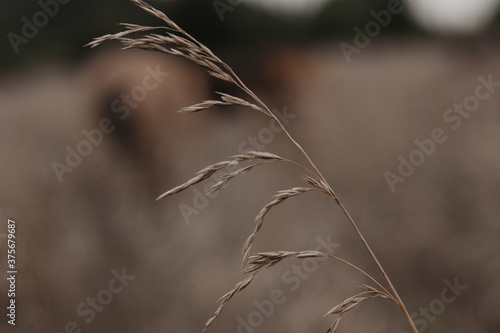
point(358, 83)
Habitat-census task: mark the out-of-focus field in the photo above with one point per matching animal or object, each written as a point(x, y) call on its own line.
point(355, 120)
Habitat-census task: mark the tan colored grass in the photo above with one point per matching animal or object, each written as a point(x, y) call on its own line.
point(173, 40)
point(259, 219)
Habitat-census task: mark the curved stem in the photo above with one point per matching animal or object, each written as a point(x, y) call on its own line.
point(367, 275)
point(384, 274)
point(344, 210)
point(299, 165)
point(241, 85)
point(318, 173)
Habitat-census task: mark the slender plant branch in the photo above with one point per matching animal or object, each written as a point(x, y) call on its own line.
point(179, 43)
point(367, 275)
point(337, 200)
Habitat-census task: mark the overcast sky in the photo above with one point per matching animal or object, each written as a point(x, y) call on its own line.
point(436, 15)
point(454, 15)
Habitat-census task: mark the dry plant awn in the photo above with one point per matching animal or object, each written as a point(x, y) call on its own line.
point(177, 42)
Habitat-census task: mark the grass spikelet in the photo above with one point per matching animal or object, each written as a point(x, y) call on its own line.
point(227, 297)
point(352, 302)
point(264, 260)
point(201, 106)
point(259, 219)
point(224, 179)
point(257, 263)
point(335, 326)
point(200, 176)
point(211, 169)
point(173, 40)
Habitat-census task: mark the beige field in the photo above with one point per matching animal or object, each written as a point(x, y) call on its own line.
point(441, 223)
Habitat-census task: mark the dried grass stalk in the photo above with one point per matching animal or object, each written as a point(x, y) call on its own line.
point(252, 154)
point(351, 302)
point(348, 304)
point(264, 260)
point(228, 176)
point(200, 176)
point(212, 169)
point(175, 41)
point(259, 219)
point(202, 106)
point(318, 183)
point(257, 263)
point(239, 101)
point(227, 297)
point(335, 325)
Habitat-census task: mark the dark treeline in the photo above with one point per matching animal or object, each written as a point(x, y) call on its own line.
point(71, 24)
